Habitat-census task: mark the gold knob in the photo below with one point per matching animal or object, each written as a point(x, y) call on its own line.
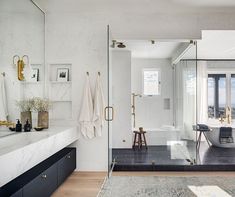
point(44, 176)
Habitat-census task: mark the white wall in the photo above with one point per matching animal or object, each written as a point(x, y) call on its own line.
point(150, 112)
point(121, 83)
point(82, 41)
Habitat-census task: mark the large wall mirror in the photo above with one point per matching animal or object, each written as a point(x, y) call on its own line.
point(22, 37)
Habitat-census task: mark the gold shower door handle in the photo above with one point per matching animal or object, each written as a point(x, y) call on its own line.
point(106, 113)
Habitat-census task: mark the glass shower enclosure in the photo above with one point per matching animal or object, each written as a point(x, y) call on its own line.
point(185, 106)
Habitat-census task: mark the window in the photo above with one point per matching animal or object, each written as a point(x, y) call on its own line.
point(233, 95)
point(217, 95)
point(151, 82)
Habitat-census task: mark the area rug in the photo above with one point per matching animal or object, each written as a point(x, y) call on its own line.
point(157, 186)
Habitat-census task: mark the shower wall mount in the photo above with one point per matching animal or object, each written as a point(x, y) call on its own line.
point(115, 44)
point(20, 64)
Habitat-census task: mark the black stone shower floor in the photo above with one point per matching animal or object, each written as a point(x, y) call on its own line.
point(159, 158)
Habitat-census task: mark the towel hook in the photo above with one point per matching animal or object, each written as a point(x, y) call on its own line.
point(99, 73)
point(87, 73)
point(3, 74)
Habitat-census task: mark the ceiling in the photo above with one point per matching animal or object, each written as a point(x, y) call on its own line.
point(217, 45)
point(145, 49)
point(214, 45)
point(140, 6)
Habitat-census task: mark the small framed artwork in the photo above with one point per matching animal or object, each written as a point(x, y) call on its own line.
point(35, 75)
point(62, 74)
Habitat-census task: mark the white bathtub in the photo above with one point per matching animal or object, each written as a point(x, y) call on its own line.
point(213, 135)
point(160, 136)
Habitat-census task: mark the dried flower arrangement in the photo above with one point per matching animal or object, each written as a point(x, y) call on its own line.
point(25, 105)
point(41, 105)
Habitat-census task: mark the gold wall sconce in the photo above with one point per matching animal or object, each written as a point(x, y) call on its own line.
point(20, 63)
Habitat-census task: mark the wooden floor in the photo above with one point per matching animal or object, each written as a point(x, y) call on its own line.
point(81, 184)
point(88, 184)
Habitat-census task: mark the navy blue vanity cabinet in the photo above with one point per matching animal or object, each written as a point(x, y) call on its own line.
point(66, 166)
point(18, 193)
point(43, 185)
point(43, 179)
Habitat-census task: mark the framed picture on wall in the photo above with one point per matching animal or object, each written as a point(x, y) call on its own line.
point(62, 74)
point(35, 75)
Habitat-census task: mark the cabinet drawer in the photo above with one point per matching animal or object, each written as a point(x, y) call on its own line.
point(43, 185)
point(66, 166)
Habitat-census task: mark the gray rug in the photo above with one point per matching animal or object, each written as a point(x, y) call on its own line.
point(154, 186)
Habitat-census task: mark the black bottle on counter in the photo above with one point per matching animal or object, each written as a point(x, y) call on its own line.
point(18, 126)
point(27, 126)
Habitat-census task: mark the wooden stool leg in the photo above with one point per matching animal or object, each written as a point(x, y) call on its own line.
point(146, 146)
point(139, 140)
point(133, 146)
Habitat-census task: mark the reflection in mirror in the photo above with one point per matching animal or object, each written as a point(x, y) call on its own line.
point(22, 36)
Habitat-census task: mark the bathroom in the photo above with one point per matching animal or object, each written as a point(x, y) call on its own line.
point(56, 46)
point(184, 95)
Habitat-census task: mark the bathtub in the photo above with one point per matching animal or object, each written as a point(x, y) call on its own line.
point(213, 135)
point(161, 136)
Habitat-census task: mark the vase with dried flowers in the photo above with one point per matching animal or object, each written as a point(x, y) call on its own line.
point(42, 106)
point(25, 107)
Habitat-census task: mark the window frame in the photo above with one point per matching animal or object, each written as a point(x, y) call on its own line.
point(228, 72)
point(216, 92)
point(159, 81)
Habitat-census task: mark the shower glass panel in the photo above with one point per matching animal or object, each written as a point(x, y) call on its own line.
point(185, 112)
point(109, 108)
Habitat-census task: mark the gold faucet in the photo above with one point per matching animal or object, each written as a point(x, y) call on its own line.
point(133, 106)
point(6, 123)
point(221, 119)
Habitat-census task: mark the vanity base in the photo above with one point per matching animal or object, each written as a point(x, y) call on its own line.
point(44, 178)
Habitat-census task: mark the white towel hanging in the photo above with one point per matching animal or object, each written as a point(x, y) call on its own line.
point(3, 100)
point(86, 113)
point(98, 116)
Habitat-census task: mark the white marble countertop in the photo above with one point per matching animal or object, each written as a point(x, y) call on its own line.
point(21, 151)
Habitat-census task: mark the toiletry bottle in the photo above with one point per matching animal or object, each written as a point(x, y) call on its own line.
point(27, 126)
point(18, 126)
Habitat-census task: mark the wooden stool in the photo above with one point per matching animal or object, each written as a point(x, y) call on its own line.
point(138, 140)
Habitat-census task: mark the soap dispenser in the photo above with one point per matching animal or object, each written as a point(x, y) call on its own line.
point(27, 126)
point(18, 126)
